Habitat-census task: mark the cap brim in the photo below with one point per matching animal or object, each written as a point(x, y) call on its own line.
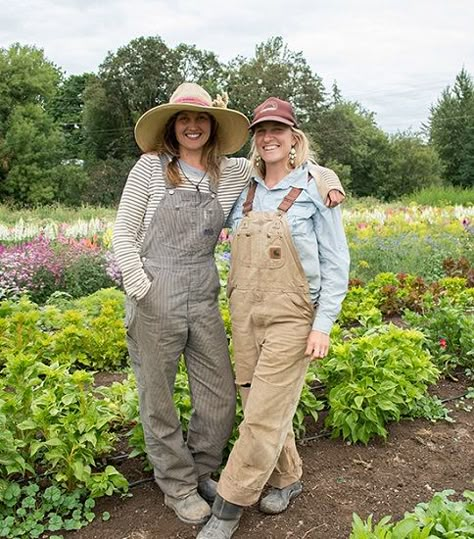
point(232, 126)
point(277, 119)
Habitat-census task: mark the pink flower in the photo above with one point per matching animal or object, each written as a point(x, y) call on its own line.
point(443, 343)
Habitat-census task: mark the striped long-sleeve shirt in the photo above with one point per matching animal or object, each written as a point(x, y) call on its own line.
point(143, 191)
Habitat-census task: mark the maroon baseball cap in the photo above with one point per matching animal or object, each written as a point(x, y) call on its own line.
point(274, 110)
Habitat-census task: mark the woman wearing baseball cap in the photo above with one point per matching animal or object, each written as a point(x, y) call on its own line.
point(288, 278)
point(172, 210)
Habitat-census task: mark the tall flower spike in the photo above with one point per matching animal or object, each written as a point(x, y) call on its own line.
point(221, 101)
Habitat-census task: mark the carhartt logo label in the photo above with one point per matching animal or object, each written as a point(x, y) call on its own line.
point(270, 106)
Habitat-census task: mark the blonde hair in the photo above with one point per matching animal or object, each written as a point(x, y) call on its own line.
point(302, 148)
point(169, 145)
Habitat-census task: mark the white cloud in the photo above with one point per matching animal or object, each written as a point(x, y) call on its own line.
point(395, 57)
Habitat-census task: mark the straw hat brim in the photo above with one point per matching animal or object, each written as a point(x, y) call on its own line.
point(232, 130)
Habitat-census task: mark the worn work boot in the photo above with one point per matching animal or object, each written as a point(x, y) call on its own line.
point(278, 499)
point(191, 509)
point(223, 522)
point(207, 488)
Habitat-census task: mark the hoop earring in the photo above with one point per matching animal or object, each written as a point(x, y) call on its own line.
point(292, 157)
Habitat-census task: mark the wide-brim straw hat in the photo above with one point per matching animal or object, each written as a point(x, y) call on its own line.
point(232, 126)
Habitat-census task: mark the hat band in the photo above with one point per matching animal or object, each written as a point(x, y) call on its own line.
point(192, 101)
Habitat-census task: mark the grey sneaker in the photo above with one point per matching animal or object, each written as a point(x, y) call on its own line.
point(217, 528)
point(207, 488)
point(191, 509)
point(278, 499)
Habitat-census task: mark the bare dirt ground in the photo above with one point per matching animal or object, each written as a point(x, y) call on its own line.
point(391, 477)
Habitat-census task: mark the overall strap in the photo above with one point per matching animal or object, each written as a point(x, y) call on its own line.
point(289, 199)
point(248, 204)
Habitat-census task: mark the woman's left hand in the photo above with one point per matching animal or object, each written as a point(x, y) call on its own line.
point(317, 345)
point(334, 198)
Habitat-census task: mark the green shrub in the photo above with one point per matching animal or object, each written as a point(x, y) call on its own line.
point(373, 379)
point(55, 422)
point(85, 276)
point(449, 331)
point(88, 332)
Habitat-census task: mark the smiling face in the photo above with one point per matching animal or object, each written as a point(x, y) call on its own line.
point(273, 142)
point(192, 130)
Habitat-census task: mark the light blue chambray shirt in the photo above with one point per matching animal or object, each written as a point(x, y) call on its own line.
point(319, 238)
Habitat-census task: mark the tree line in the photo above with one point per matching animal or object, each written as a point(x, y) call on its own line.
point(70, 139)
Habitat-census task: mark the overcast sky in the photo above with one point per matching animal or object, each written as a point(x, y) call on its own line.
point(395, 57)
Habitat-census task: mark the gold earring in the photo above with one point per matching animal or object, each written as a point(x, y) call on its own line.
point(292, 156)
point(258, 161)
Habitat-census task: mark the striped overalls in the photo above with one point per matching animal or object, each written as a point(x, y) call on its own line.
point(180, 315)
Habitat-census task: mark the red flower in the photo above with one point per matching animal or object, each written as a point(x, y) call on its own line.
point(443, 343)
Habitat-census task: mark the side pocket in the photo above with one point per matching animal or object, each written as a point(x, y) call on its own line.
point(130, 311)
point(300, 305)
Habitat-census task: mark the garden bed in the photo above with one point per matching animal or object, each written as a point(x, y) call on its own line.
point(418, 459)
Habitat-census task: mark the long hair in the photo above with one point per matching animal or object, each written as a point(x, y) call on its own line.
point(302, 147)
point(169, 145)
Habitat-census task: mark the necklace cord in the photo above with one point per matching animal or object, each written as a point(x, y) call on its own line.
point(195, 185)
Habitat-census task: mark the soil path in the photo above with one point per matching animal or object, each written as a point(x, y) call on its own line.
point(418, 459)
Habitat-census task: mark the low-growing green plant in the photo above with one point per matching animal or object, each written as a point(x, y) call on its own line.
point(88, 332)
point(431, 408)
point(373, 379)
point(360, 306)
point(449, 331)
point(309, 405)
point(56, 213)
point(28, 511)
point(461, 267)
point(440, 518)
point(53, 420)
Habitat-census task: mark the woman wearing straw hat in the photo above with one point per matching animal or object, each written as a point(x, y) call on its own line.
point(288, 277)
point(172, 210)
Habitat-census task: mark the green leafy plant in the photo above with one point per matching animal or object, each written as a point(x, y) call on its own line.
point(373, 379)
point(440, 518)
point(88, 332)
point(28, 511)
point(52, 419)
point(449, 332)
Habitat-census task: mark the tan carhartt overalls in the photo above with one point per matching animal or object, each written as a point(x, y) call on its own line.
point(272, 316)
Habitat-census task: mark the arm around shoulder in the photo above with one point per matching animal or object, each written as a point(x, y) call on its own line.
point(328, 184)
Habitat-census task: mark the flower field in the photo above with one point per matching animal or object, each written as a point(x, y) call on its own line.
point(407, 324)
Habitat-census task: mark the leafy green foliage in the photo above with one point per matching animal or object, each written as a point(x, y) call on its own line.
point(32, 146)
point(347, 134)
point(374, 379)
point(87, 332)
point(275, 70)
point(28, 511)
point(440, 518)
point(451, 129)
point(54, 420)
point(417, 254)
point(449, 331)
